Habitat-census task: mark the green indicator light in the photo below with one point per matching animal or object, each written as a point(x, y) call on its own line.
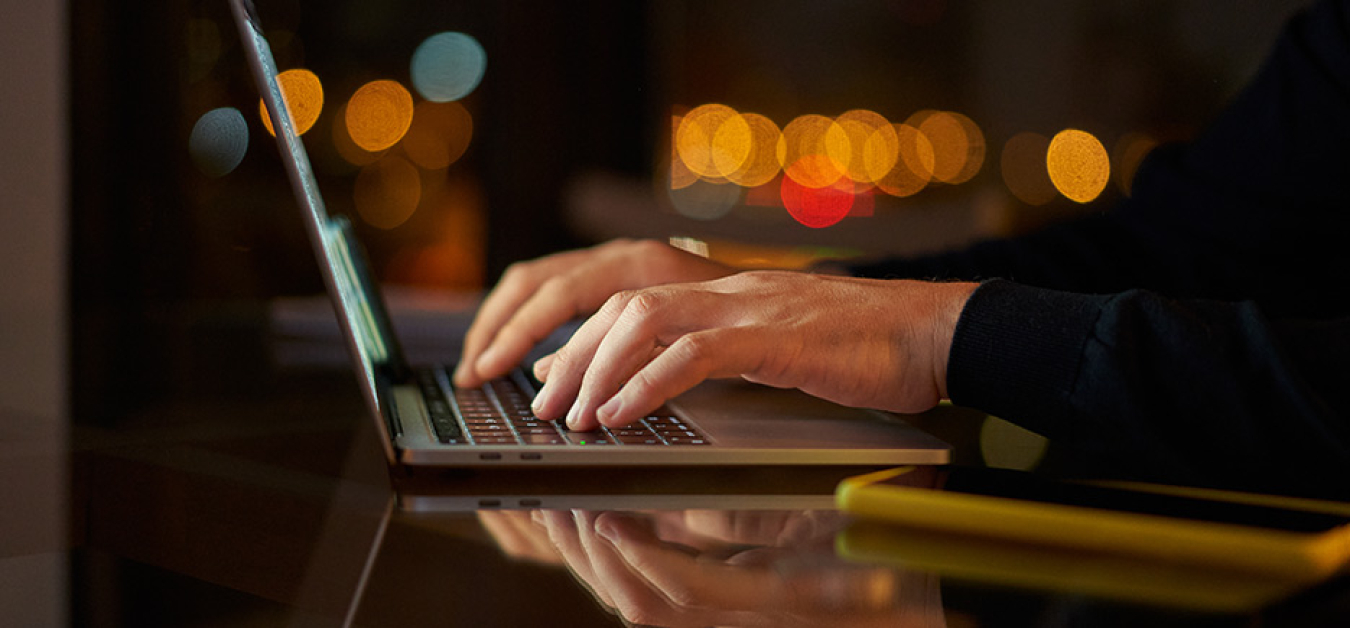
point(583, 442)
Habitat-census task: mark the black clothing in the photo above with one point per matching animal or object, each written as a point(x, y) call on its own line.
point(1200, 331)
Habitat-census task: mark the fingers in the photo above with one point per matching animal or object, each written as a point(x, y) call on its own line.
point(640, 349)
point(534, 298)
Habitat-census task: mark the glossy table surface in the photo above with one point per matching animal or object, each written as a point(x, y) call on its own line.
point(263, 500)
point(278, 511)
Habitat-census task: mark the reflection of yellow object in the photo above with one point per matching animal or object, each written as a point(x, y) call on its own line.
point(1078, 165)
point(387, 192)
point(379, 114)
point(303, 93)
point(1112, 530)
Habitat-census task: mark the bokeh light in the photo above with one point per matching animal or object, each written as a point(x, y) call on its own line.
point(379, 114)
point(346, 147)
point(761, 160)
point(387, 192)
point(713, 141)
point(958, 144)
point(680, 174)
point(1023, 166)
point(705, 200)
point(303, 93)
point(448, 66)
point(1078, 165)
point(861, 126)
point(218, 141)
point(439, 134)
point(816, 207)
point(912, 167)
point(1128, 155)
point(814, 151)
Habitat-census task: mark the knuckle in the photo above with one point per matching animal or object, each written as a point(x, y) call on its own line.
point(645, 303)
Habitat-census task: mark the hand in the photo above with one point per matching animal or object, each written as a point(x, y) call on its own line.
point(649, 572)
point(534, 298)
point(858, 342)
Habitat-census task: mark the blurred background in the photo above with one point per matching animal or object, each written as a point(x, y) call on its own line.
point(148, 227)
point(769, 133)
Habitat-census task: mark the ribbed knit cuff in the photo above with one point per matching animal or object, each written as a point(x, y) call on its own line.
point(1017, 350)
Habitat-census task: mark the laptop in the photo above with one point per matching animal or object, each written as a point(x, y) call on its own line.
point(424, 421)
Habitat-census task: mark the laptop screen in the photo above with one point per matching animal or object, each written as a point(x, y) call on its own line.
point(360, 310)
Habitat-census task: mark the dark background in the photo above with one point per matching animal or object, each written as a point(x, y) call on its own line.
point(171, 268)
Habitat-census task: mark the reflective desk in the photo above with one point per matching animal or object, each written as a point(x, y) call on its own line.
point(264, 501)
point(277, 511)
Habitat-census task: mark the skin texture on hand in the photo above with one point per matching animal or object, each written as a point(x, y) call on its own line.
point(536, 297)
point(857, 342)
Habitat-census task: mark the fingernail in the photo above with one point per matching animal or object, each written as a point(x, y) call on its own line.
point(540, 402)
point(611, 408)
point(574, 416)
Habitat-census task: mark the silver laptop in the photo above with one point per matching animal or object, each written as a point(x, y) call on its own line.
point(425, 421)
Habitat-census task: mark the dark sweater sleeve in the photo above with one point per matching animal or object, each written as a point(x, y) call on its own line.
point(1201, 392)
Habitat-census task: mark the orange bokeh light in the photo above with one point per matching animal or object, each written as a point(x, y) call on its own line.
point(379, 114)
point(387, 192)
point(958, 144)
point(303, 93)
point(814, 151)
point(439, 134)
point(1078, 165)
point(912, 167)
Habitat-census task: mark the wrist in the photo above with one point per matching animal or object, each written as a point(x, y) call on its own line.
point(949, 301)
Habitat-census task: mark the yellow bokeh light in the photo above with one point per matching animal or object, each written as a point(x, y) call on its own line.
point(303, 93)
point(958, 144)
point(814, 151)
point(387, 192)
point(1023, 167)
point(912, 167)
point(343, 144)
point(1078, 165)
point(860, 126)
point(713, 140)
point(761, 162)
point(680, 175)
point(439, 134)
point(379, 114)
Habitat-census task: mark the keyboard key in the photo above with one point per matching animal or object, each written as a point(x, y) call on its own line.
point(542, 439)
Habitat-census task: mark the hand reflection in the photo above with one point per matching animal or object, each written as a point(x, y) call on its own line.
point(722, 568)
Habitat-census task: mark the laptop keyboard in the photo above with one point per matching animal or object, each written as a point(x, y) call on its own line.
point(498, 413)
